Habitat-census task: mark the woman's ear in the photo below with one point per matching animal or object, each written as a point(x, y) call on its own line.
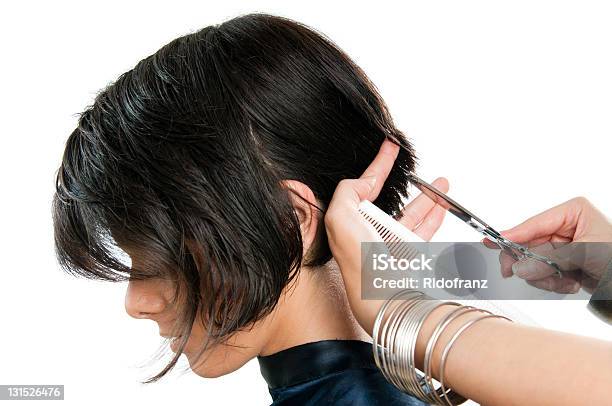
point(305, 205)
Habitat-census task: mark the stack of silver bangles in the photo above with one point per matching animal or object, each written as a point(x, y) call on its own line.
point(396, 329)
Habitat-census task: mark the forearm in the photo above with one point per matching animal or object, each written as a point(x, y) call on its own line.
point(499, 362)
point(496, 361)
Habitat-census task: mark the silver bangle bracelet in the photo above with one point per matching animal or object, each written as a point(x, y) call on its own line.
point(395, 333)
point(381, 335)
point(406, 342)
point(431, 344)
point(454, 338)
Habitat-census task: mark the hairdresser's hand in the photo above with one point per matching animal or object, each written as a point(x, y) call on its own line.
point(551, 233)
point(346, 228)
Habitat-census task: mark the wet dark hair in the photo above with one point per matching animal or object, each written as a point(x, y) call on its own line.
point(182, 158)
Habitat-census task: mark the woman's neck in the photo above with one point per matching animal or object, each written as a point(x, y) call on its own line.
point(313, 308)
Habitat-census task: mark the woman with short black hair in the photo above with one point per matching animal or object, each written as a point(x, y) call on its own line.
point(211, 163)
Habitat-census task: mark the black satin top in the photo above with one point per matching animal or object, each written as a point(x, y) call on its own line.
point(329, 372)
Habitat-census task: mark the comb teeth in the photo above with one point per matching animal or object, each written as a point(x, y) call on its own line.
point(393, 234)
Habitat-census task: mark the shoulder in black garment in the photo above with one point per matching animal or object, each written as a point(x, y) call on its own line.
point(329, 372)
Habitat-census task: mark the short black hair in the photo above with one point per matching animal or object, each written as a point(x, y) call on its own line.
point(182, 157)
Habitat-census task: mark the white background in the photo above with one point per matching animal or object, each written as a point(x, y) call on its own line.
point(509, 100)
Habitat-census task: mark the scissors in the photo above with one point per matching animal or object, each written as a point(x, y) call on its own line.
point(515, 250)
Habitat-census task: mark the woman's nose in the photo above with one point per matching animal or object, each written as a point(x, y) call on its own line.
point(143, 300)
